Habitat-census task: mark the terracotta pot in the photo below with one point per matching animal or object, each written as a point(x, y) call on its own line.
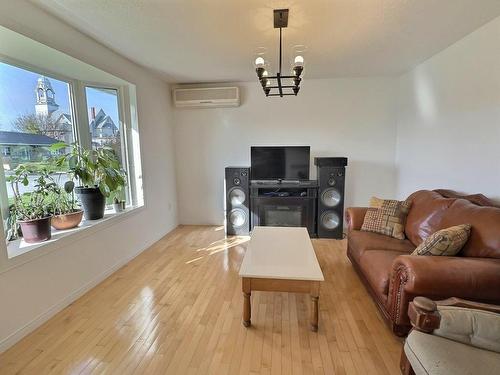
point(36, 230)
point(67, 221)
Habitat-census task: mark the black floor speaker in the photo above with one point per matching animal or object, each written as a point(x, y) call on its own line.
point(237, 201)
point(331, 180)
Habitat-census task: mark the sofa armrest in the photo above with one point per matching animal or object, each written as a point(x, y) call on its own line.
point(354, 217)
point(470, 323)
point(423, 314)
point(439, 277)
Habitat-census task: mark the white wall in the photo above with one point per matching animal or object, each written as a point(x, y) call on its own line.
point(449, 118)
point(336, 117)
point(32, 292)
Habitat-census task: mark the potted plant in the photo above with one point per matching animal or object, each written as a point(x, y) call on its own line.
point(67, 214)
point(32, 211)
point(119, 205)
point(99, 174)
point(118, 200)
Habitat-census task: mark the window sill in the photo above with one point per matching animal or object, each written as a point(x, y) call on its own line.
point(20, 252)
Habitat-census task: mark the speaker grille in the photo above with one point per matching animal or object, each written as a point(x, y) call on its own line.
point(330, 220)
point(331, 197)
point(237, 217)
point(237, 196)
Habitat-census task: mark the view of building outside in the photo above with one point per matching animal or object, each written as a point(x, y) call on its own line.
point(104, 121)
point(35, 112)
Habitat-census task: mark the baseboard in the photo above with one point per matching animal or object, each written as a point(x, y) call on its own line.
point(17, 335)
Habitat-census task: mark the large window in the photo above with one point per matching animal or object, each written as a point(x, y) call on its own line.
point(47, 97)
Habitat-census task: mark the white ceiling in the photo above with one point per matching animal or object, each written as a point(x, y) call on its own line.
point(215, 40)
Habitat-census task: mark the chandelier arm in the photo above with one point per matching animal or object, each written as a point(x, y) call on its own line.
point(284, 94)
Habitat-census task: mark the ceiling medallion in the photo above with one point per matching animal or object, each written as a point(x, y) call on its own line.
point(277, 85)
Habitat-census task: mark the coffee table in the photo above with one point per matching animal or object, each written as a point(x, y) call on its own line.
point(280, 259)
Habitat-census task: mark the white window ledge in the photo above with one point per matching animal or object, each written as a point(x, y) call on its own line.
point(20, 252)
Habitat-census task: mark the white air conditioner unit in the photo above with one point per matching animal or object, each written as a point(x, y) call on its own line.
point(207, 97)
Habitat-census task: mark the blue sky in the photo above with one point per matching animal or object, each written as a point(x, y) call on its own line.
point(17, 96)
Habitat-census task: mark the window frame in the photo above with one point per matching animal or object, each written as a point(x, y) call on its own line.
point(124, 134)
point(81, 135)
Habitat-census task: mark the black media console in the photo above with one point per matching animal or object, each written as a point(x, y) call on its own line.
point(284, 203)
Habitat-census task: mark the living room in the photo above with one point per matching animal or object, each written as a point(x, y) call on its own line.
point(389, 101)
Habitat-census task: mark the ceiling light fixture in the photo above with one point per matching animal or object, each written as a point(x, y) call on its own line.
point(261, 66)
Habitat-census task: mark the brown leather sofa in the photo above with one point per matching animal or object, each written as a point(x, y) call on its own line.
point(394, 277)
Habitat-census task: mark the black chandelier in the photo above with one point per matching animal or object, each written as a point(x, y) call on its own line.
point(276, 85)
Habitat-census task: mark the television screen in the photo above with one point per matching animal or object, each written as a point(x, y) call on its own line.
point(280, 162)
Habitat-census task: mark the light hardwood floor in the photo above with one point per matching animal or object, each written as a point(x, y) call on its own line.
point(176, 309)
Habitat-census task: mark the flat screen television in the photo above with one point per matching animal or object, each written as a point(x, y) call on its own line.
point(280, 162)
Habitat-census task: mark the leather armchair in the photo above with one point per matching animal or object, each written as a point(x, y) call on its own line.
point(453, 336)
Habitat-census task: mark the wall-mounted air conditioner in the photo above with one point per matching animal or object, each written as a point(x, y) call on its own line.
point(207, 97)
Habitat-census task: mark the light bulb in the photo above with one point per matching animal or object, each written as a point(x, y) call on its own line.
point(268, 83)
point(259, 61)
point(265, 74)
point(299, 60)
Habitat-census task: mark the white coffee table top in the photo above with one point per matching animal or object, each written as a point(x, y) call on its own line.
point(281, 253)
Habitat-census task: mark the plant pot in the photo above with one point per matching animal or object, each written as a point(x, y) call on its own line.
point(93, 202)
point(119, 207)
point(67, 221)
point(36, 230)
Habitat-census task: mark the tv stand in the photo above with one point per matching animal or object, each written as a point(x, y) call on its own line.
point(283, 183)
point(289, 203)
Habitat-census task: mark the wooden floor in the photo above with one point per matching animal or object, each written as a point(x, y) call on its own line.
point(176, 309)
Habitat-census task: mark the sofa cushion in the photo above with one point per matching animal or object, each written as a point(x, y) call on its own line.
point(426, 214)
point(429, 354)
point(387, 217)
point(359, 241)
point(376, 266)
point(446, 242)
point(471, 327)
point(484, 240)
point(477, 199)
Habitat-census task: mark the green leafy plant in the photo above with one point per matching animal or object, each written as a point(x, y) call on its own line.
point(93, 168)
point(32, 205)
point(64, 200)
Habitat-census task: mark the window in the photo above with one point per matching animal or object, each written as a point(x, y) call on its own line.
point(104, 119)
point(77, 103)
point(105, 124)
point(32, 117)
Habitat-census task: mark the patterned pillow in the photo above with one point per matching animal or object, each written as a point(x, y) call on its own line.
point(447, 242)
point(386, 217)
point(376, 202)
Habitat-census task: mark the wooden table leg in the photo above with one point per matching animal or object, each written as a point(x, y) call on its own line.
point(314, 313)
point(314, 306)
point(247, 308)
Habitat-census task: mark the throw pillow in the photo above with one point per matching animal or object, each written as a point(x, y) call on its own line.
point(447, 242)
point(376, 202)
point(387, 217)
